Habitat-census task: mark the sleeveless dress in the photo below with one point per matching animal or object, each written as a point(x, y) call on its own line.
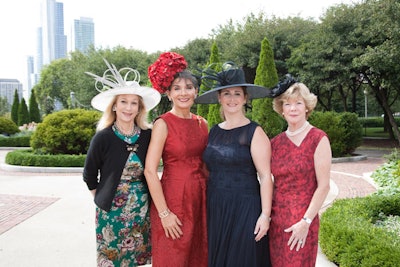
point(294, 185)
point(233, 200)
point(184, 184)
point(123, 233)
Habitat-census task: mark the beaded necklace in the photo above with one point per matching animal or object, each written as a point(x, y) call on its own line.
point(301, 129)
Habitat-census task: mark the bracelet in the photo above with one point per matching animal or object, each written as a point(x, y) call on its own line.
point(164, 213)
point(307, 220)
point(265, 216)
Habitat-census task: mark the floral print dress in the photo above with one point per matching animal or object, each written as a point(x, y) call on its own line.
point(123, 233)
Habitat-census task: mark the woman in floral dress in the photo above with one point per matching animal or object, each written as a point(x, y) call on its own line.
point(114, 168)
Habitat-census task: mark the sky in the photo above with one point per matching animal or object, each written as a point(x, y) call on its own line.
point(147, 25)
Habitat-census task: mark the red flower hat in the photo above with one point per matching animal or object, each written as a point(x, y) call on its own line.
point(161, 73)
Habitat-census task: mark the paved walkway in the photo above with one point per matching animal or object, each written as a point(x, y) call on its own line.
point(47, 219)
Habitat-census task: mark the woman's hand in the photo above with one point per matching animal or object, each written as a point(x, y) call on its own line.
point(172, 226)
point(262, 227)
point(299, 234)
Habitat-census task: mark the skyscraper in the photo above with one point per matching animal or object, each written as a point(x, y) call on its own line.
point(83, 34)
point(54, 42)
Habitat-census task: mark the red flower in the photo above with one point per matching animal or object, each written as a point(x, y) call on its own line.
point(161, 73)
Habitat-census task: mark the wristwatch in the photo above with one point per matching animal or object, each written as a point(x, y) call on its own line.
point(307, 220)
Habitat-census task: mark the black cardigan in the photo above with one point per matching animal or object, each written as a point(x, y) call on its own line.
point(106, 157)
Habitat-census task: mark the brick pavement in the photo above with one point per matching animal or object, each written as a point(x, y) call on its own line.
point(15, 209)
point(350, 179)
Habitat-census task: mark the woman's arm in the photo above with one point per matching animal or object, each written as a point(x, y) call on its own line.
point(261, 154)
point(169, 220)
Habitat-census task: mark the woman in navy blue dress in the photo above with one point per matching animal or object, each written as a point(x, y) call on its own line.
point(239, 190)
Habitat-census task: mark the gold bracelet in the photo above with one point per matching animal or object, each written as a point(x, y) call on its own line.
point(164, 213)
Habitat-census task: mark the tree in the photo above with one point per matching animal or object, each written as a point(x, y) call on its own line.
point(4, 106)
point(34, 113)
point(211, 112)
point(23, 113)
point(14, 107)
point(266, 75)
point(378, 64)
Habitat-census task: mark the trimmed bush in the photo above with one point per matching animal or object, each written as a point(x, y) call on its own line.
point(353, 131)
point(330, 123)
point(7, 127)
point(26, 157)
point(349, 237)
point(65, 132)
point(343, 129)
point(15, 141)
point(375, 122)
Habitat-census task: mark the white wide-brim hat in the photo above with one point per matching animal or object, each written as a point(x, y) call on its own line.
point(114, 82)
point(151, 97)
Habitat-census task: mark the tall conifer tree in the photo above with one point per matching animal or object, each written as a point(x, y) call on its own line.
point(23, 113)
point(202, 109)
point(34, 113)
point(267, 76)
point(14, 107)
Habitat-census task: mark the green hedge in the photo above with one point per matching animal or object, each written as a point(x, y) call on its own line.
point(26, 157)
point(375, 122)
point(349, 237)
point(15, 141)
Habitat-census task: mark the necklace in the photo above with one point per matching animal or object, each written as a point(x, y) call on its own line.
point(133, 132)
point(301, 129)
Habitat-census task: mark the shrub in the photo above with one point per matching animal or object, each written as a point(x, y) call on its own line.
point(330, 123)
point(7, 127)
point(65, 132)
point(375, 122)
point(353, 131)
point(343, 129)
point(349, 236)
point(15, 141)
point(26, 157)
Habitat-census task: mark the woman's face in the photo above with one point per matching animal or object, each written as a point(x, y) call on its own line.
point(232, 99)
point(294, 110)
point(182, 93)
point(126, 107)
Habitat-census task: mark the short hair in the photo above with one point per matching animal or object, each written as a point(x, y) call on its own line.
point(296, 90)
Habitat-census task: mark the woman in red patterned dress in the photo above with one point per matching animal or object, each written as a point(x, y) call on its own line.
point(300, 164)
point(178, 211)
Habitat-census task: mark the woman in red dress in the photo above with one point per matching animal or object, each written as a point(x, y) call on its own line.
point(178, 211)
point(300, 164)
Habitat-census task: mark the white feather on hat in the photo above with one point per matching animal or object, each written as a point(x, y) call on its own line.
point(112, 84)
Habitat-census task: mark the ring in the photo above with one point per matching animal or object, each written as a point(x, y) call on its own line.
point(300, 241)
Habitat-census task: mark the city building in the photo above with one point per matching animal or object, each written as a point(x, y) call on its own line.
point(83, 34)
point(8, 87)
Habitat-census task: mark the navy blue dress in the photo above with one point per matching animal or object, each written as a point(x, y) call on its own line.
point(233, 200)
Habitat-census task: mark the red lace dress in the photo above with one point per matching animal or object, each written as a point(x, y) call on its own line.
point(184, 185)
point(294, 185)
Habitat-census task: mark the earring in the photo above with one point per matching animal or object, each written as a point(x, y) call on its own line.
point(283, 113)
point(113, 109)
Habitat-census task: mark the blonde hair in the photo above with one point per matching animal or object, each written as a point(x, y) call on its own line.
point(295, 91)
point(109, 116)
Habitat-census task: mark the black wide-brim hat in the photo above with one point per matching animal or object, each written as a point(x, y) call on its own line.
point(227, 79)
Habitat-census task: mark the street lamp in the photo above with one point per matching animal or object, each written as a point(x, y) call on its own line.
point(366, 104)
point(365, 111)
point(72, 95)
